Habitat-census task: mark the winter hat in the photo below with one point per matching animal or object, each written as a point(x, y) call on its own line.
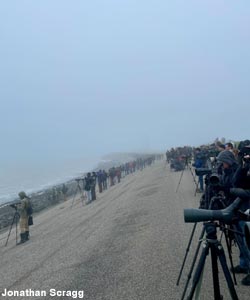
point(226, 156)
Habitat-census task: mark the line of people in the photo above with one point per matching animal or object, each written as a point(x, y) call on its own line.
point(231, 165)
point(104, 179)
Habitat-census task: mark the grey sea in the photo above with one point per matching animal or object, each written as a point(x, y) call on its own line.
point(33, 177)
point(36, 176)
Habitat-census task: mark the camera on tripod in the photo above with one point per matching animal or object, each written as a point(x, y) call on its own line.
point(79, 189)
point(212, 245)
point(226, 215)
point(212, 176)
point(244, 153)
point(15, 205)
point(79, 179)
point(203, 171)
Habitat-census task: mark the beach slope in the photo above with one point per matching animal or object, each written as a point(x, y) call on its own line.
point(128, 244)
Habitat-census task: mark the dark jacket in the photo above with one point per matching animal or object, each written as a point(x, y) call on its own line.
point(242, 185)
point(199, 161)
point(88, 183)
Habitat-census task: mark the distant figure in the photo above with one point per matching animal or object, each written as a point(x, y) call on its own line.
point(199, 162)
point(112, 176)
point(220, 147)
point(24, 210)
point(230, 147)
point(118, 174)
point(100, 180)
point(87, 187)
point(93, 185)
point(105, 180)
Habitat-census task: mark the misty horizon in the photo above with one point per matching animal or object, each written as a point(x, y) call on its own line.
point(84, 79)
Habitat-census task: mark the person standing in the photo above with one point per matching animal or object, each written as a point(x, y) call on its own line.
point(93, 185)
point(100, 180)
point(24, 210)
point(118, 174)
point(87, 187)
point(199, 162)
point(105, 179)
point(112, 176)
point(241, 182)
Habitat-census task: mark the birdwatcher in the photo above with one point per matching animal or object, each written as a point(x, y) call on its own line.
point(93, 185)
point(230, 147)
point(100, 180)
point(24, 209)
point(199, 162)
point(88, 183)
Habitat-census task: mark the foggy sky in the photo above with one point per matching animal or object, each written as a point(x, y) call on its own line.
point(93, 77)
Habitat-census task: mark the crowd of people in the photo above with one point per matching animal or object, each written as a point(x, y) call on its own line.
point(104, 179)
point(230, 164)
point(233, 168)
point(178, 157)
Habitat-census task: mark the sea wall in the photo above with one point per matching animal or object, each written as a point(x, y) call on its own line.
point(46, 198)
point(40, 200)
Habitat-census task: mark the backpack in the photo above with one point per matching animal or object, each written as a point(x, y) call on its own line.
point(29, 209)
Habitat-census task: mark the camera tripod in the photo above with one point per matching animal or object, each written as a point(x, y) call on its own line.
point(211, 204)
point(216, 250)
point(192, 173)
point(78, 189)
point(14, 220)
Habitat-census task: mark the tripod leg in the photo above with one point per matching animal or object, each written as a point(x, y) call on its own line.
point(222, 258)
point(196, 184)
point(198, 272)
point(13, 220)
point(74, 197)
point(193, 263)
point(230, 254)
point(215, 272)
point(179, 180)
point(239, 237)
point(187, 250)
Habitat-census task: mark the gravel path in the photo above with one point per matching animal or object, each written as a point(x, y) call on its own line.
point(128, 244)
